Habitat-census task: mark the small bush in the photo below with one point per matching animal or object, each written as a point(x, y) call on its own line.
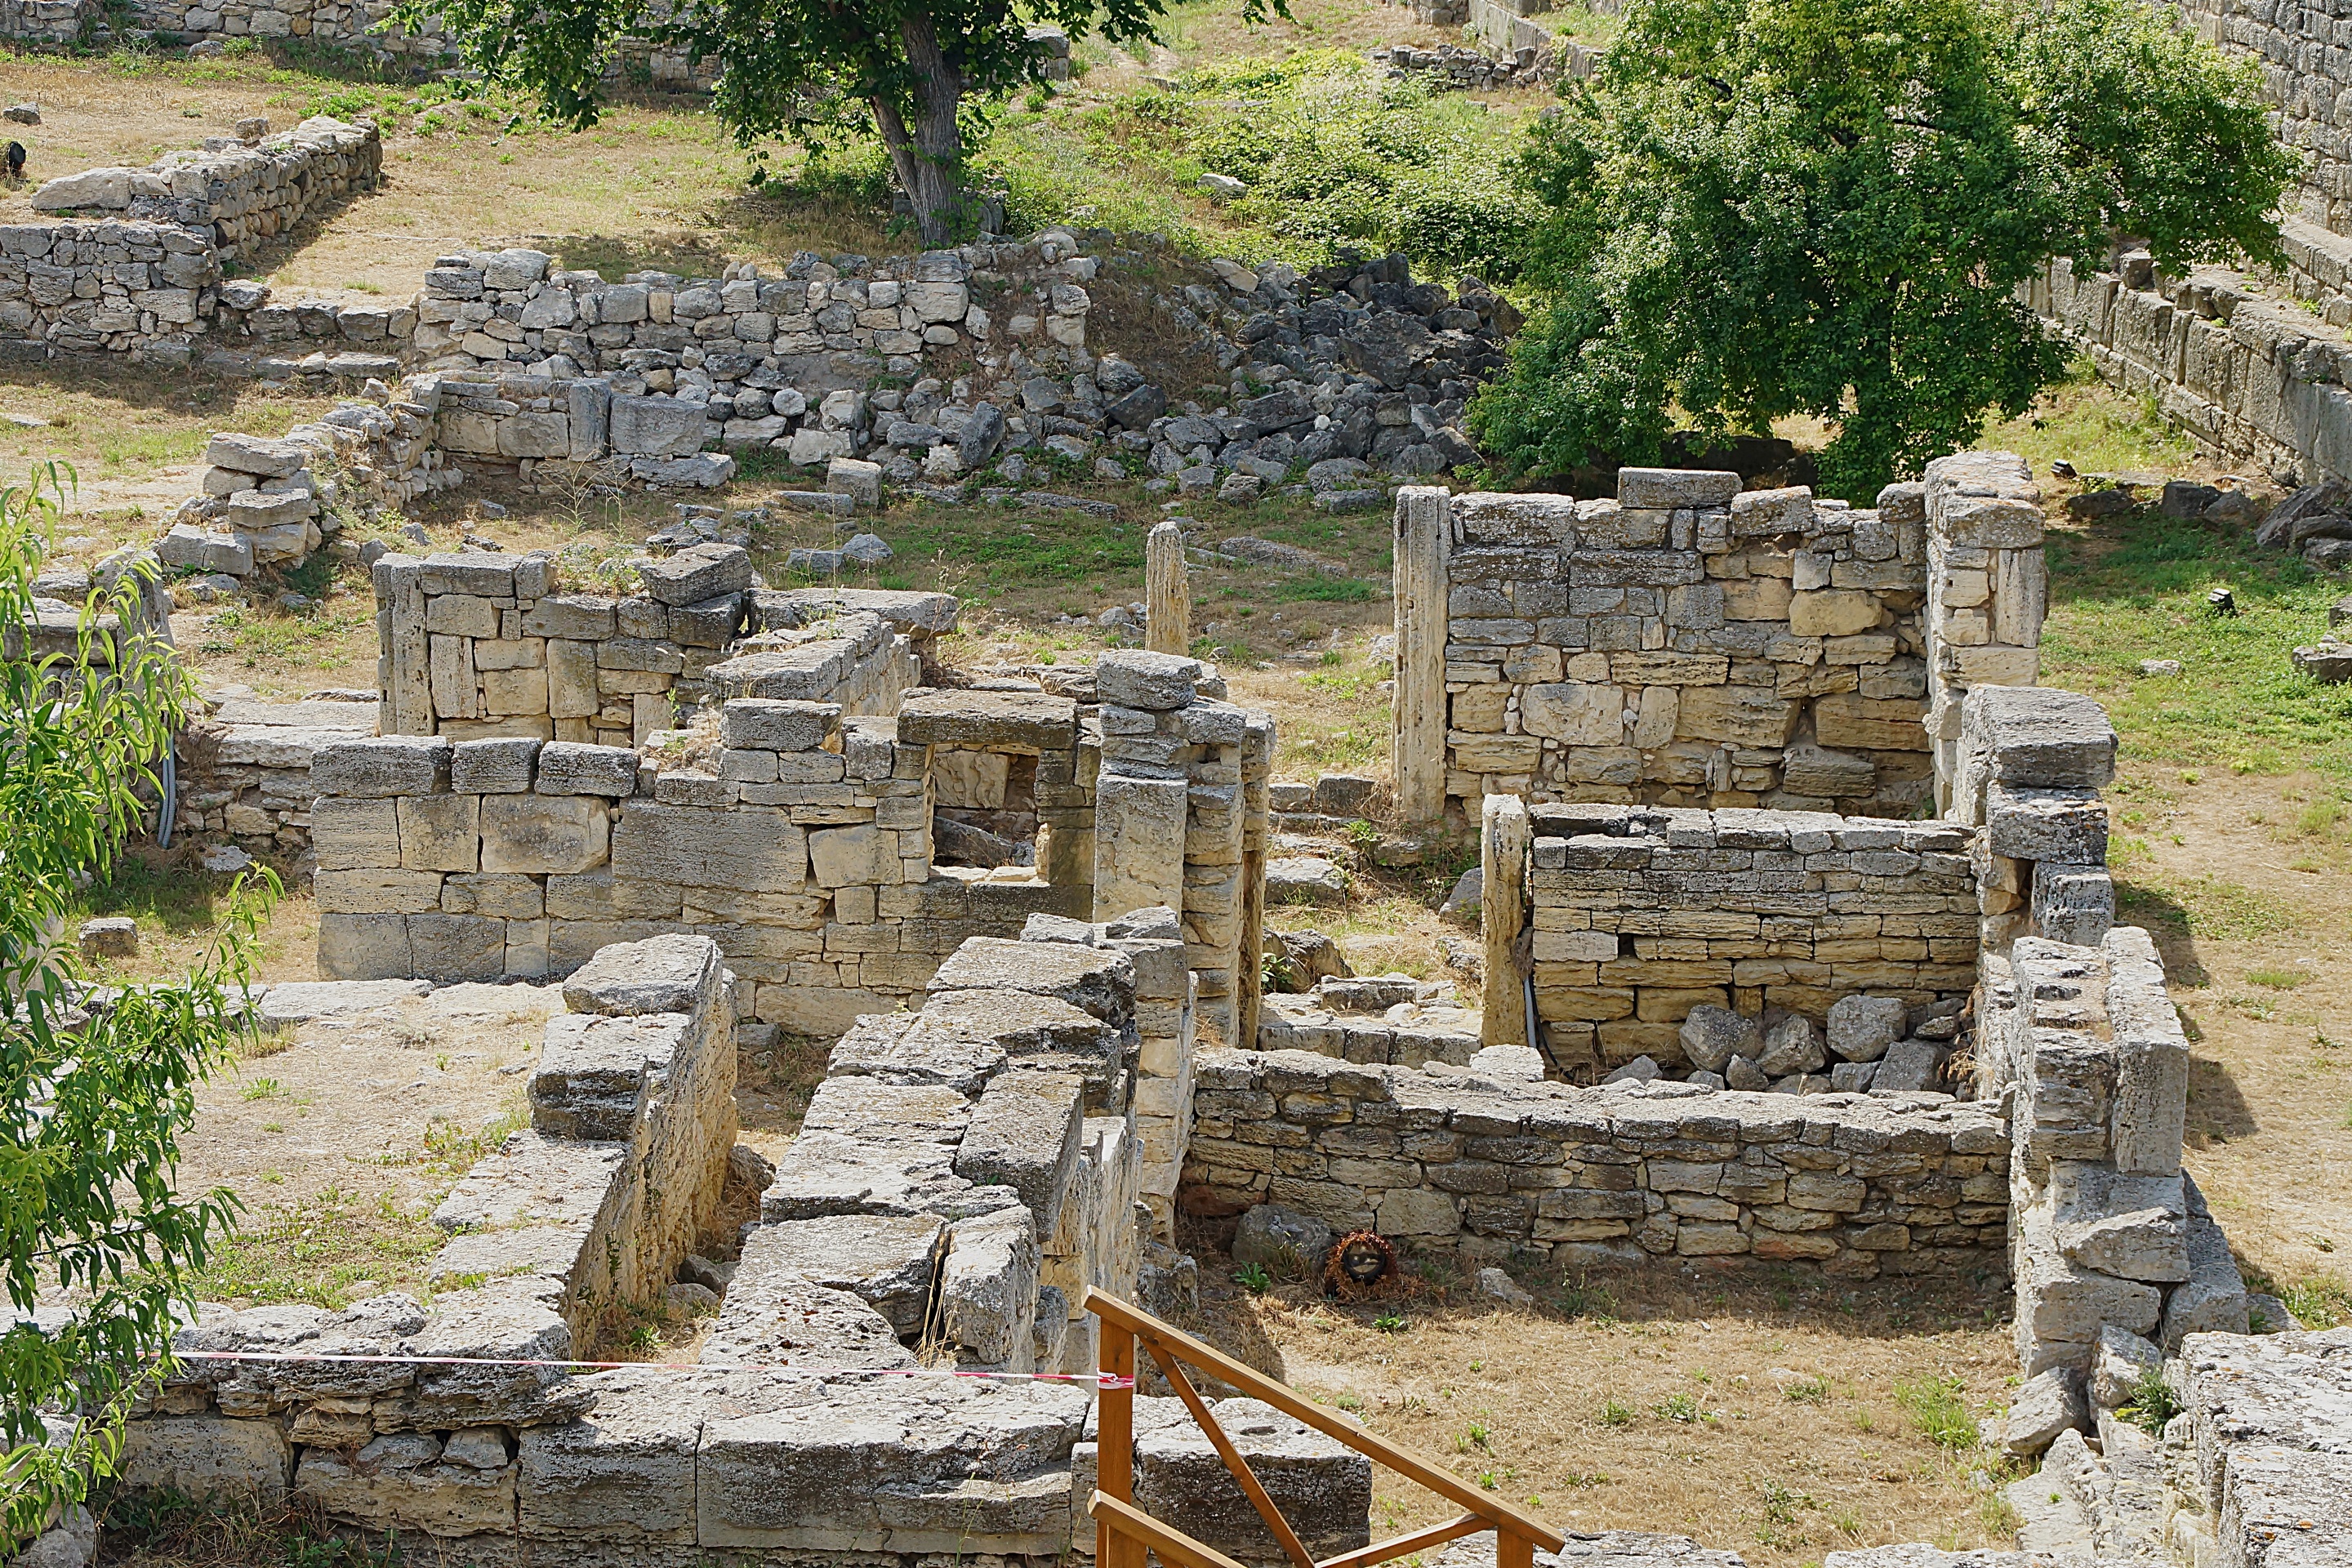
point(2152, 1403)
point(1940, 1411)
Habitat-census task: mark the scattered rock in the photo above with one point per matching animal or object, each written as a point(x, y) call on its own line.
point(22, 114)
point(2329, 663)
point(1862, 1028)
point(1791, 1046)
point(1310, 957)
point(1283, 1243)
point(1743, 1073)
point(2162, 669)
point(1223, 188)
point(867, 550)
point(110, 936)
point(1495, 1285)
point(2047, 1404)
point(224, 860)
point(1641, 1069)
point(1304, 879)
point(1712, 1035)
point(1463, 904)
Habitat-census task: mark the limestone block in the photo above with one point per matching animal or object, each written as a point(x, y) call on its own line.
point(1024, 1135)
point(594, 1073)
point(347, 833)
point(2040, 737)
point(503, 897)
point(439, 832)
point(2072, 904)
point(664, 974)
point(2069, 826)
point(575, 768)
point(543, 834)
point(654, 427)
point(1575, 713)
point(2060, 1306)
point(847, 857)
point(1736, 715)
point(1098, 983)
point(461, 616)
point(1139, 843)
point(988, 1288)
point(2047, 1403)
point(1851, 721)
point(2214, 1299)
point(2123, 1358)
point(514, 691)
point(206, 1455)
point(377, 890)
point(1323, 1488)
point(754, 849)
point(886, 1261)
point(1413, 1211)
point(379, 1488)
point(625, 1472)
point(457, 947)
point(2134, 1227)
point(362, 946)
point(1155, 682)
point(769, 724)
point(697, 574)
point(1012, 720)
point(1833, 613)
point(383, 766)
point(256, 455)
point(1861, 1028)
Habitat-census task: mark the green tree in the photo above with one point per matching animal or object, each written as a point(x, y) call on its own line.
point(95, 1088)
point(919, 74)
point(1766, 207)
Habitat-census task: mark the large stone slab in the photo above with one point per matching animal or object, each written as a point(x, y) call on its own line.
point(1024, 1135)
point(625, 1471)
point(889, 1262)
point(990, 721)
point(1094, 981)
point(749, 849)
point(699, 572)
point(677, 973)
point(1322, 1486)
point(594, 1074)
point(772, 1318)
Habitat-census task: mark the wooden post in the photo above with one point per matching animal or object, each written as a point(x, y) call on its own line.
point(1424, 525)
point(1115, 1445)
point(1503, 841)
point(1513, 1549)
point(1167, 597)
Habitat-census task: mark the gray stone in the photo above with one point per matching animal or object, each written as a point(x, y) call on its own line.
point(886, 1261)
point(2029, 824)
point(625, 1471)
point(780, 1319)
point(990, 721)
point(1712, 1035)
point(769, 724)
point(502, 766)
point(1157, 682)
point(1323, 1488)
point(256, 455)
point(1862, 1028)
point(1852, 1078)
point(1024, 1135)
point(572, 767)
point(2213, 1299)
point(2044, 1406)
point(988, 1288)
point(656, 426)
point(1791, 1046)
point(1908, 1067)
point(661, 975)
point(381, 767)
point(2040, 736)
point(2072, 903)
point(1304, 879)
point(1641, 1069)
point(1090, 979)
point(699, 572)
point(2122, 1359)
point(1742, 1073)
point(1463, 905)
point(1285, 1243)
point(110, 936)
point(594, 1073)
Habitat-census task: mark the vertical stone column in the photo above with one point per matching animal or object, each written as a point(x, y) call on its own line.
point(1504, 839)
point(404, 668)
point(1423, 541)
point(1257, 773)
point(1167, 596)
point(1987, 591)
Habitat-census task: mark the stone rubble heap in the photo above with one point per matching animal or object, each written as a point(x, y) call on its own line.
point(236, 194)
point(1459, 69)
point(1384, 1020)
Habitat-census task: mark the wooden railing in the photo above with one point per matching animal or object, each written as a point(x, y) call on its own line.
point(1123, 1533)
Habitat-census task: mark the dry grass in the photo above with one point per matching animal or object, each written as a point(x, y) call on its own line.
point(1775, 1416)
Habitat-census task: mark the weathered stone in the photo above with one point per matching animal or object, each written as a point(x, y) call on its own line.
point(1024, 1134)
point(2046, 1404)
point(1862, 1028)
point(544, 834)
point(382, 767)
point(676, 974)
point(887, 1262)
point(698, 572)
point(567, 767)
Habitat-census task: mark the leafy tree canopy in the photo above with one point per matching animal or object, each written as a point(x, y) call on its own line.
point(1768, 207)
point(97, 1245)
point(921, 74)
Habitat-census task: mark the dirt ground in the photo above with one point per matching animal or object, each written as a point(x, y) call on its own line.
point(1770, 1414)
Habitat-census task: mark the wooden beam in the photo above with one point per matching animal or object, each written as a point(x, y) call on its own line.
point(1292, 1547)
point(1407, 1462)
point(1515, 1551)
point(1420, 1539)
point(1115, 1445)
point(1125, 1523)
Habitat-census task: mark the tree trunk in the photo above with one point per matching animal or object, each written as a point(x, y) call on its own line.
point(929, 154)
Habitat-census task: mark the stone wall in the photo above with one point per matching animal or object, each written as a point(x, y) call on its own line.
point(1489, 1161)
point(236, 194)
point(1640, 914)
point(1689, 644)
point(476, 644)
point(102, 286)
point(2253, 378)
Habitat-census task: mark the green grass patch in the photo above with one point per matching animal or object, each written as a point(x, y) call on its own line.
point(2202, 906)
point(2137, 590)
point(2099, 428)
point(317, 1251)
point(1326, 590)
point(2278, 979)
point(1938, 1410)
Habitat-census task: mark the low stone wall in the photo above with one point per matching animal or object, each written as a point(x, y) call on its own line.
point(237, 194)
point(1491, 1163)
point(102, 286)
point(477, 645)
point(2253, 378)
point(1641, 914)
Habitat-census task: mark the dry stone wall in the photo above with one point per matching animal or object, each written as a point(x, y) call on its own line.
point(1490, 1162)
point(1641, 915)
point(237, 194)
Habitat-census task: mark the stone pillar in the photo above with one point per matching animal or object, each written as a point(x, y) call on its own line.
point(1167, 597)
point(1503, 841)
point(1986, 590)
point(403, 667)
point(1257, 770)
point(1423, 542)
